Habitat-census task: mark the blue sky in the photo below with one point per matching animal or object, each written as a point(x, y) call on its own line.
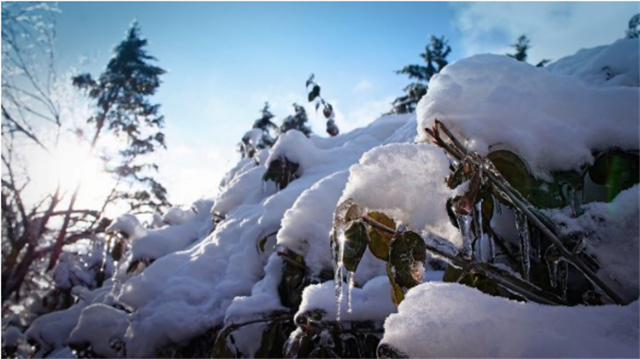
point(225, 59)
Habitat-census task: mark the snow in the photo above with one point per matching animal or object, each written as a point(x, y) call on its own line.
point(314, 208)
point(449, 320)
point(613, 235)
point(371, 302)
point(385, 180)
point(494, 100)
point(183, 229)
point(603, 66)
point(11, 336)
point(100, 325)
point(203, 276)
point(52, 330)
point(185, 293)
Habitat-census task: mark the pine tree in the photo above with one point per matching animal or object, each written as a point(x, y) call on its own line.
point(435, 56)
point(122, 100)
point(253, 141)
point(297, 121)
point(522, 46)
point(633, 32)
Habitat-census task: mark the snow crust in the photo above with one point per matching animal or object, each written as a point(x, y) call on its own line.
point(494, 100)
point(439, 320)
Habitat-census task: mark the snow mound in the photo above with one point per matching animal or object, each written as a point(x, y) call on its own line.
point(183, 294)
point(495, 101)
point(603, 66)
point(439, 320)
point(100, 326)
point(371, 302)
point(408, 183)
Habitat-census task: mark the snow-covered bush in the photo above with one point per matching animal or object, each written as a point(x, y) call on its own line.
point(314, 242)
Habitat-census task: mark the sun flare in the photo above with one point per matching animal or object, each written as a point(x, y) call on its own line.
point(74, 164)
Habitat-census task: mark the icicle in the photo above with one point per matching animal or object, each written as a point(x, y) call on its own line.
point(553, 273)
point(464, 223)
point(536, 249)
point(351, 282)
point(339, 274)
point(479, 234)
point(492, 249)
point(522, 224)
point(563, 277)
point(576, 202)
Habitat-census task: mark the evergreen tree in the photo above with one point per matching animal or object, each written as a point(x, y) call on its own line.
point(253, 141)
point(435, 57)
point(522, 46)
point(297, 121)
point(122, 96)
point(633, 32)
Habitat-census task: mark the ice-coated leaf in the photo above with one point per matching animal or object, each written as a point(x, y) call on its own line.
point(223, 347)
point(407, 255)
point(397, 295)
point(513, 168)
point(465, 203)
point(355, 244)
point(346, 211)
point(273, 338)
point(379, 241)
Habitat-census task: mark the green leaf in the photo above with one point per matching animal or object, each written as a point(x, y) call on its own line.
point(315, 92)
point(355, 244)
point(514, 170)
point(617, 170)
point(379, 241)
point(407, 255)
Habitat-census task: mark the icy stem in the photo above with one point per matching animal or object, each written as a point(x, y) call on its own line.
point(464, 222)
point(522, 224)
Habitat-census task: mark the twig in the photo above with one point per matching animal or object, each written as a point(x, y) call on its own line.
point(528, 210)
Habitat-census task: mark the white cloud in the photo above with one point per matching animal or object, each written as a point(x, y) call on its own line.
point(555, 29)
point(363, 85)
